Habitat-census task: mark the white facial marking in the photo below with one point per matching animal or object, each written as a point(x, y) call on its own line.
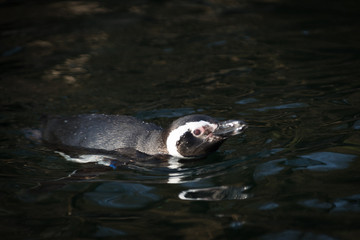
point(176, 134)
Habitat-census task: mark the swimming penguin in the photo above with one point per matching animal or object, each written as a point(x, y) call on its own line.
point(192, 136)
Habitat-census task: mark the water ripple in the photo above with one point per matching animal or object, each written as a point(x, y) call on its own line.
point(216, 193)
point(284, 106)
point(318, 161)
point(122, 195)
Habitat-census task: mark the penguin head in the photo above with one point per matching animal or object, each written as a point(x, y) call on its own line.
point(196, 136)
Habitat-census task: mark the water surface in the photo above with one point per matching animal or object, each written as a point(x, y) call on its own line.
point(290, 70)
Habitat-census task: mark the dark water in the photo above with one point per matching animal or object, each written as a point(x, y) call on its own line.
point(290, 69)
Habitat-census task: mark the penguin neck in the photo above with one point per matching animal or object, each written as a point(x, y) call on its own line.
point(154, 143)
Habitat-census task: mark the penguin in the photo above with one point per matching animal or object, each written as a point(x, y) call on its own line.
point(192, 136)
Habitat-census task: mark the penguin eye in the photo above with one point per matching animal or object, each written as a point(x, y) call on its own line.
point(197, 132)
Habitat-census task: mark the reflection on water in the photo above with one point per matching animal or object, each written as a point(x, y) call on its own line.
point(269, 206)
point(350, 203)
point(122, 195)
point(70, 71)
point(293, 234)
point(72, 8)
point(285, 106)
point(289, 69)
point(108, 232)
point(215, 193)
point(99, 159)
point(320, 161)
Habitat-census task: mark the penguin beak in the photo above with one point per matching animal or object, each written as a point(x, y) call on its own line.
point(230, 128)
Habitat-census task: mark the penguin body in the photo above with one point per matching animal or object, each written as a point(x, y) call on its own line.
point(191, 136)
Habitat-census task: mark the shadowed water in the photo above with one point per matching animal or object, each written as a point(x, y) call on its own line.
point(289, 69)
